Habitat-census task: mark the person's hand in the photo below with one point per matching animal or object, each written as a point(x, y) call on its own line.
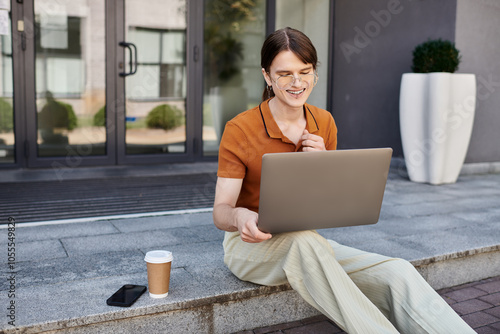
point(312, 142)
point(247, 226)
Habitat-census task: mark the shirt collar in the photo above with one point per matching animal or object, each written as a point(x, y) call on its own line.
point(272, 127)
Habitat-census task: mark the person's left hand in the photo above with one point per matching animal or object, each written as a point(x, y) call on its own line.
point(312, 142)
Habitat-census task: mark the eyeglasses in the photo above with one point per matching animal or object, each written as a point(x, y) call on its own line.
point(286, 81)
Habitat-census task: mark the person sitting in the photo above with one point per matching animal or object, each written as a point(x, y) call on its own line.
point(361, 292)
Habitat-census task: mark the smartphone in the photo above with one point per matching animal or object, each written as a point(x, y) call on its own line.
point(126, 295)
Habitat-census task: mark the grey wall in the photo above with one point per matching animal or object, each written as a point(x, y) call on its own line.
point(374, 40)
point(477, 38)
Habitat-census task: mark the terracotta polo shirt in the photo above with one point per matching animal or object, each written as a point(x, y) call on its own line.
point(251, 134)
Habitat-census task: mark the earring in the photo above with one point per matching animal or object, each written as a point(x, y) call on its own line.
point(269, 88)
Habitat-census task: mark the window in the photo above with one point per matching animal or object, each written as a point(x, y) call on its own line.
point(60, 69)
point(312, 18)
point(232, 78)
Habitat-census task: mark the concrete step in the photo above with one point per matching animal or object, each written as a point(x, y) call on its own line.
point(67, 295)
point(207, 299)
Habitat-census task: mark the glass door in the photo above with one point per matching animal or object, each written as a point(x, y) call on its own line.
point(107, 82)
point(155, 120)
point(7, 136)
point(66, 83)
point(132, 81)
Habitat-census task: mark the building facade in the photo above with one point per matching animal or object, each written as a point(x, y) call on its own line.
point(126, 82)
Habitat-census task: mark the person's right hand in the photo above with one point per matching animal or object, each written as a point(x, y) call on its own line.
point(247, 226)
point(228, 217)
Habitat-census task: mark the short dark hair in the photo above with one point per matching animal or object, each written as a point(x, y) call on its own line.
point(286, 39)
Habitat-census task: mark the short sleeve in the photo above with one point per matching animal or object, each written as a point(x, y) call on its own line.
point(232, 152)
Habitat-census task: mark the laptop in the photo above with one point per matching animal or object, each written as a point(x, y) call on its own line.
point(315, 190)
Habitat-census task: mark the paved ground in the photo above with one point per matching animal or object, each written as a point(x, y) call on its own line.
point(477, 303)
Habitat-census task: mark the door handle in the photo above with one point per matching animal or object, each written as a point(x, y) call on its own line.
point(133, 60)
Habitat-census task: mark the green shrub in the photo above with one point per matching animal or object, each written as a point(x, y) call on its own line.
point(72, 119)
point(435, 56)
point(164, 117)
point(100, 117)
point(57, 114)
point(6, 116)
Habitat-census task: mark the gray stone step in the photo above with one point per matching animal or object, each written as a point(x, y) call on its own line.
point(204, 298)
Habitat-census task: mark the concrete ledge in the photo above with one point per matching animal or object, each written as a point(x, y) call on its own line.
point(473, 168)
point(480, 168)
point(245, 306)
point(215, 317)
point(458, 268)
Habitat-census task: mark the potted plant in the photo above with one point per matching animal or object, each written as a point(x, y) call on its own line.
point(436, 110)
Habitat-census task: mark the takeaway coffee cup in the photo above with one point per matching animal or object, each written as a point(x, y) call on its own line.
point(159, 263)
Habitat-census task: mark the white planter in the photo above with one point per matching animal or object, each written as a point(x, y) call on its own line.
point(436, 113)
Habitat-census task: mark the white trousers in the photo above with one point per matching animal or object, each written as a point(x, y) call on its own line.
point(361, 292)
